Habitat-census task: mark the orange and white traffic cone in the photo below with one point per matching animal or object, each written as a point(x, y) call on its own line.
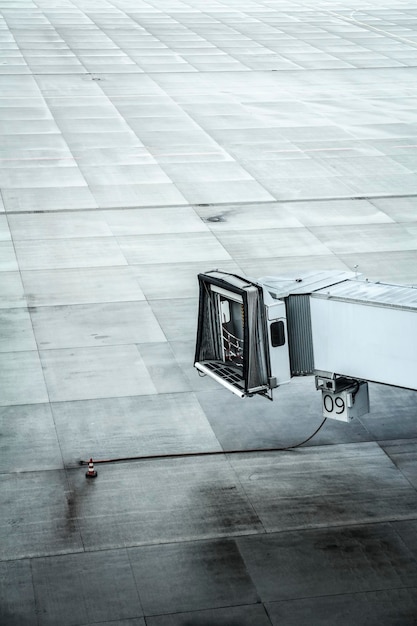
point(91, 471)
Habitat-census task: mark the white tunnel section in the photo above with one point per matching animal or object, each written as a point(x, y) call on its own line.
point(366, 340)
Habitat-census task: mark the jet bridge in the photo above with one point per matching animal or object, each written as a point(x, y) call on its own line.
point(254, 336)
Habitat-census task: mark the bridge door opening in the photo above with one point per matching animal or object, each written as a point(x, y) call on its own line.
point(232, 318)
point(232, 339)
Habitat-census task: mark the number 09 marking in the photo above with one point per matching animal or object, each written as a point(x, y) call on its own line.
point(330, 405)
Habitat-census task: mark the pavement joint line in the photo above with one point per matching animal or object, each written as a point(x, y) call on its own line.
point(165, 154)
point(259, 71)
point(194, 205)
point(149, 156)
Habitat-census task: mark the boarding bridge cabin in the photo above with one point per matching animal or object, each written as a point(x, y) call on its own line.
point(254, 336)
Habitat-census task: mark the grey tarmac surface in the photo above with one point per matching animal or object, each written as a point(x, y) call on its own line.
point(141, 143)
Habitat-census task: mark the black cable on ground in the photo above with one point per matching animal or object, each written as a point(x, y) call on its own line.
point(183, 455)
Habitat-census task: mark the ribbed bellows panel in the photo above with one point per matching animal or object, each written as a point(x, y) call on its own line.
point(299, 335)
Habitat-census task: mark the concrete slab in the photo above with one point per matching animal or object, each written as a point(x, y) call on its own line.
point(330, 149)
point(386, 402)
point(162, 281)
point(403, 454)
point(177, 319)
point(407, 531)
point(149, 123)
point(4, 229)
point(275, 242)
point(119, 155)
point(37, 126)
point(193, 136)
point(160, 107)
point(8, 262)
point(17, 604)
point(69, 253)
point(34, 177)
point(98, 324)
point(331, 187)
point(22, 144)
point(33, 159)
point(16, 331)
point(132, 426)
point(11, 290)
point(337, 212)
point(182, 153)
point(85, 373)
point(143, 195)
point(365, 238)
point(32, 109)
point(25, 529)
point(248, 217)
point(58, 226)
point(224, 192)
point(397, 267)
point(402, 210)
point(124, 175)
point(102, 138)
point(80, 286)
point(349, 498)
point(372, 607)
point(176, 247)
point(61, 582)
point(166, 574)
point(163, 368)
point(29, 440)
point(383, 185)
point(21, 379)
point(293, 168)
point(206, 172)
point(364, 166)
point(284, 566)
point(154, 221)
point(48, 199)
point(96, 125)
point(170, 501)
point(408, 162)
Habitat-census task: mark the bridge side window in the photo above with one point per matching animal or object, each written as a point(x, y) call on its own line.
point(277, 334)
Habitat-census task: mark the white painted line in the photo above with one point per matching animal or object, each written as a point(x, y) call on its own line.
point(282, 151)
point(311, 150)
point(328, 149)
point(156, 155)
point(42, 159)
